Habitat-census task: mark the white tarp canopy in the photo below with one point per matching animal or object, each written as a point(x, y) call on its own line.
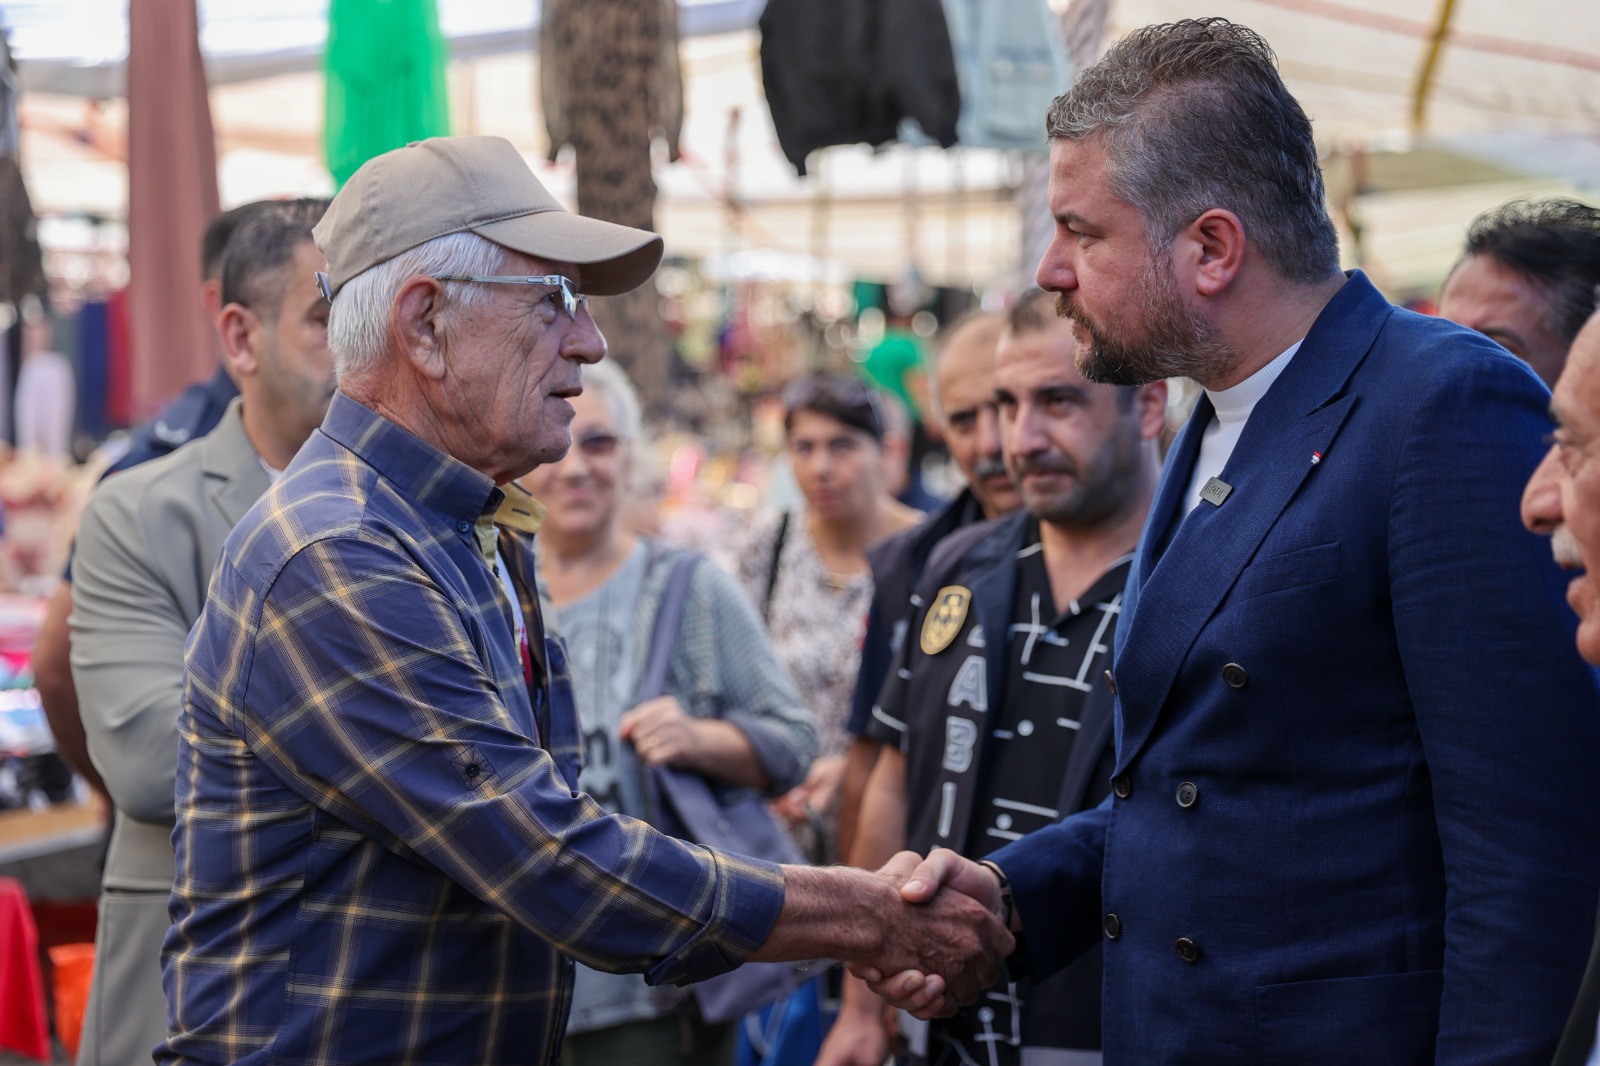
point(1514, 108)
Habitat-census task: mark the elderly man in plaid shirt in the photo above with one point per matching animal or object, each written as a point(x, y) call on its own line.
point(382, 856)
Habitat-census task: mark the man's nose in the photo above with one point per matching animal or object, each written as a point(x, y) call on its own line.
point(584, 342)
point(1541, 500)
point(1055, 272)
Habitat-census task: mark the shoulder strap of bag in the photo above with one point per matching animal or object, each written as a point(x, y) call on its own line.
point(669, 618)
point(772, 567)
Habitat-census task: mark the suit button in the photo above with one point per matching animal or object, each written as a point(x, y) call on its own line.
point(1111, 682)
point(1235, 676)
point(1122, 785)
point(1113, 927)
point(1188, 950)
point(1187, 794)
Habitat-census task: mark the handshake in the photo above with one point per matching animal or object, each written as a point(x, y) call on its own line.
point(928, 935)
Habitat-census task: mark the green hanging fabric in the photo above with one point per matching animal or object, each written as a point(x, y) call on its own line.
point(385, 69)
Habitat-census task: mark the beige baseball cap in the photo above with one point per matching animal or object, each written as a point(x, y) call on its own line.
point(427, 189)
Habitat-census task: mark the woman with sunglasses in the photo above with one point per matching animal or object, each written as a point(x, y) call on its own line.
point(729, 714)
point(809, 572)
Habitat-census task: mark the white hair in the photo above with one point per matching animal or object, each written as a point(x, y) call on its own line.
point(611, 382)
point(358, 321)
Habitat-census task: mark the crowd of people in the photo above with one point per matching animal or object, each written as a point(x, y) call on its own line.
point(1273, 742)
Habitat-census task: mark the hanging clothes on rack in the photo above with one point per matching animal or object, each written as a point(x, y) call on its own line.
point(848, 72)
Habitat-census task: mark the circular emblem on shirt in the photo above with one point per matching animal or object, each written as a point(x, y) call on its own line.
point(945, 617)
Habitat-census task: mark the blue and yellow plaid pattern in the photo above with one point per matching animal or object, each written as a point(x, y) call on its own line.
point(381, 855)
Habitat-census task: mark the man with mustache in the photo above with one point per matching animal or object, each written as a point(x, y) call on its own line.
point(1562, 501)
point(382, 854)
point(998, 718)
point(1354, 807)
point(962, 376)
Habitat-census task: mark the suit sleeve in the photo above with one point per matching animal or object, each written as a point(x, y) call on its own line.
point(1508, 715)
point(128, 631)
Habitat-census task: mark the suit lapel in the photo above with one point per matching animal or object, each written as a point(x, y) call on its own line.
point(1299, 416)
point(235, 478)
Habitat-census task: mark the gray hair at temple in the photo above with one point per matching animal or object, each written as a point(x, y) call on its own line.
point(610, 382)
point(358, 321)
point(1193, 115)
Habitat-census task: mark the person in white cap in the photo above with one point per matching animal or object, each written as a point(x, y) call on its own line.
point(382, 855)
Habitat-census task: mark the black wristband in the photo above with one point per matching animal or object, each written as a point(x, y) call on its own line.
point(1006, 898)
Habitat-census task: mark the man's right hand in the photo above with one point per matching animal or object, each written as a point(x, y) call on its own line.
point(921, 991)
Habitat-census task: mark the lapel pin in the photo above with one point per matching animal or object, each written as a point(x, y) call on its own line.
point(1216, 490)
point(1316, 457)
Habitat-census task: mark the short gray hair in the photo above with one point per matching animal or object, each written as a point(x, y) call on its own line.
point(611, 383)
point(358, 322)
point(1194, 116)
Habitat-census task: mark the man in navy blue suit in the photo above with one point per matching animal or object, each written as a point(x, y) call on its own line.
point(1355, 810)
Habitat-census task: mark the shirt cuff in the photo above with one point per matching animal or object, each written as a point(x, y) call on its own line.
point(749, 897)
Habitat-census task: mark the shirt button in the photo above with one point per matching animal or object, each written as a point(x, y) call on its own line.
point(1188, 950)
point(463, 527)
point(1235, 676)
point(1122, 785)
point(472, 770)
point(1187, 794)
point(1113, 926)
point(1111, 682)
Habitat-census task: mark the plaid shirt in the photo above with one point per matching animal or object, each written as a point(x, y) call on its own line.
point(377, 859)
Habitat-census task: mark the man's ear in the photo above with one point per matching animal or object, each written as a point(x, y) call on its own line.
point(1150, 407)
point(416, 322)
point(1208, 252)
point(237, 326)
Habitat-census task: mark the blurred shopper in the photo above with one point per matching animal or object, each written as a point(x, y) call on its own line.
point(998, 718)
point(1527, 279)
point(191, 414)
point(46, 389)
point(729, 714)
point(1562, 501)
point(147, 542)
point(808, 571)
point(382, 852)
point(963, 403)
point(1355, 807)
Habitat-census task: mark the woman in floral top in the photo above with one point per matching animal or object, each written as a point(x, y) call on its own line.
point(807, 570)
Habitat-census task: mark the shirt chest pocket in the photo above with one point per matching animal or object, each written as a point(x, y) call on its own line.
point(1288, 570)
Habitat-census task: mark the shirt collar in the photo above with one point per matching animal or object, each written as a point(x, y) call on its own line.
point(419, 470)
point(1235, 404)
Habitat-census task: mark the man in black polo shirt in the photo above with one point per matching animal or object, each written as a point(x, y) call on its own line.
point(997, 717)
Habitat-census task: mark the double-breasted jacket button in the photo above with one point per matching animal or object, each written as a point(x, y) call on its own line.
point(1113, 926)
point(1235, 676)
point(1111, 682)
point(1188, 950)
point(1122, 786)
point(1187, 794)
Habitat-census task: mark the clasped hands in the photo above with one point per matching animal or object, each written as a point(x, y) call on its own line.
point(950, 942)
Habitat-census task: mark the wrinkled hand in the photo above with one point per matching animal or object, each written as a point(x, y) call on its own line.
point(946, 944)
point(814, 795)
point(662, 732)
point(927, 991)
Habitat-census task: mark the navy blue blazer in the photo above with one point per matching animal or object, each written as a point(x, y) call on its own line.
point(1356, 812)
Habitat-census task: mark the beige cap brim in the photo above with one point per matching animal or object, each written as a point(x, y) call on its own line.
point(615, 259)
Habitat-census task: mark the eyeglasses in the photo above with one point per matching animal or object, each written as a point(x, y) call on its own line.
point(571, 298)
point(598, 445)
